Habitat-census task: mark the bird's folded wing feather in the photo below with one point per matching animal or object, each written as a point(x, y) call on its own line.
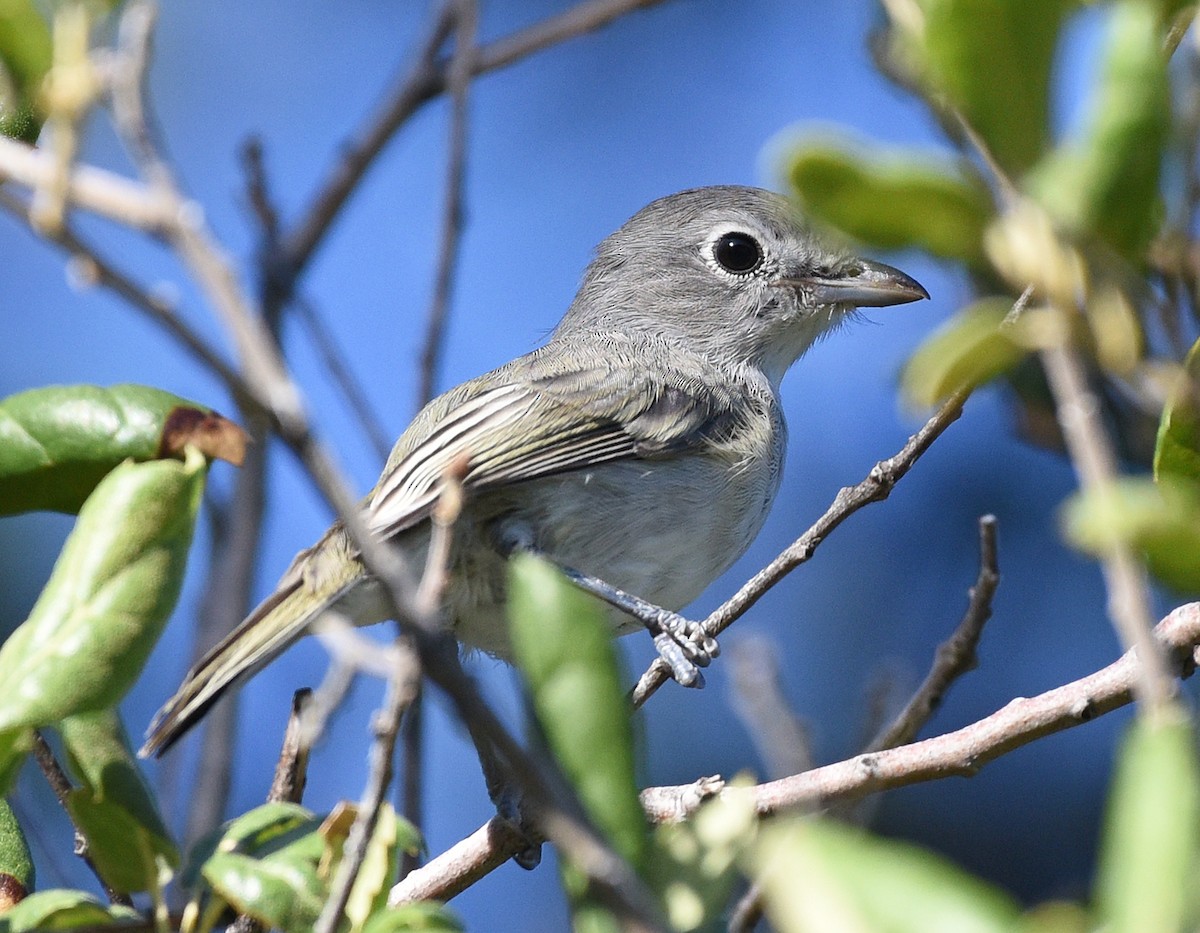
point(553, 418)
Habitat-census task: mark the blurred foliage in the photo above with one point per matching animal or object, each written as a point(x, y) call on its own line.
point(1067, 240)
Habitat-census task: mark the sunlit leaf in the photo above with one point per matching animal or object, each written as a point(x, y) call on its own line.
point(57, 443)
point(422, 917)
point(818, 876)
point(16, 863)
point(25, 56)
point(992, 60)
point(110, 594)
point(894, 200)
point(1177, 450)
point(1151, 847)
point(114, 808)
point(1161, 520)
point(970, 349)
point(566, 651)
point(693, 863)
point(279, 892)
point(67, 910)
point(1105, 182)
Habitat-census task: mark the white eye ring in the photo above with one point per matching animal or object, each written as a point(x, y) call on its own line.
point(736, 252)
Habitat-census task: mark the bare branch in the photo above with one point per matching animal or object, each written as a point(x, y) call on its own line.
point(428, 78)
point(57, 778)
point(962, 752)
point(956, 655)
point(94, 189)
point(291, 771)
point(877, 486)
point(965, 751)
point(401, 688)
point(1129, 604)
point(466, 17)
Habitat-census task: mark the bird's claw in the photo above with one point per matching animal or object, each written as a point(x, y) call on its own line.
point(685, 646)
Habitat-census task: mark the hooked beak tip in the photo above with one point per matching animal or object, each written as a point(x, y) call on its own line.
point(865, 284)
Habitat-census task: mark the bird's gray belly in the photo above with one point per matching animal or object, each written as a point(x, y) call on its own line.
point(662, 530)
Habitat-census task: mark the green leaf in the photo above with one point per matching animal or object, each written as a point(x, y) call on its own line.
point(1151, 849)
point(57, 443)
point(967, 351)
point(1177, 450)
point(819, 875)
point(265, 863)
point(278, 892)
point(992, 59)
point(1162, 521)
point(110, 594)
point(421, 917)
point(25, 55)
point(565, 648)
point(895, 200)
point(392, 835)
point(1106, 182)
point(16, 863)
point(693, 863)
point(114, 808)
point(66, 910)
point(260, 831)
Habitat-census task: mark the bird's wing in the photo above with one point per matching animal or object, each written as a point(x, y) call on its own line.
point(541, 417)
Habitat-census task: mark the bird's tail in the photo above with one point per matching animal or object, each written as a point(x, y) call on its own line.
point(275, 623)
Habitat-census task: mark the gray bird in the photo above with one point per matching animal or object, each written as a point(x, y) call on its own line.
point(639, 449)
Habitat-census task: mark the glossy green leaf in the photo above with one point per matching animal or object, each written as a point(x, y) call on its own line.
point(114, 808)
point(265, 863)
point(992, 59)
point(25, 55)
point(1161, 520)
point(110, 594)
point(818, 876)
point(16, 862)
point(896, 200)
point(265, 829)
point(66, 910)
point(967, 351)
point(1151, 849)
point(565, 649)
point(279, 892)
point(421, 917)
point(1177, 449)
point(1105, 182)
point(57, 443)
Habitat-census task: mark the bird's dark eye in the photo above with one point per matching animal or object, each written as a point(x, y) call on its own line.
point(738, 253)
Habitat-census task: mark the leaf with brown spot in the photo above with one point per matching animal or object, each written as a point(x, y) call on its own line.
point(58, 442)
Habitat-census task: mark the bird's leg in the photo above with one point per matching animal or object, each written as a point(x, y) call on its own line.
point(683, 644)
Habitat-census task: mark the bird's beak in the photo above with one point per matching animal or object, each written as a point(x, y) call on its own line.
point(864, 284)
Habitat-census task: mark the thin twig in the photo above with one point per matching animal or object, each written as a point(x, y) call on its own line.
point(1129, 604)
point(466, 17)
point(401, 686)
point(877, 486)
point(428, 78)
point(291, 771)
point(334, 361)
point(955, 656)
point(57, 778)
